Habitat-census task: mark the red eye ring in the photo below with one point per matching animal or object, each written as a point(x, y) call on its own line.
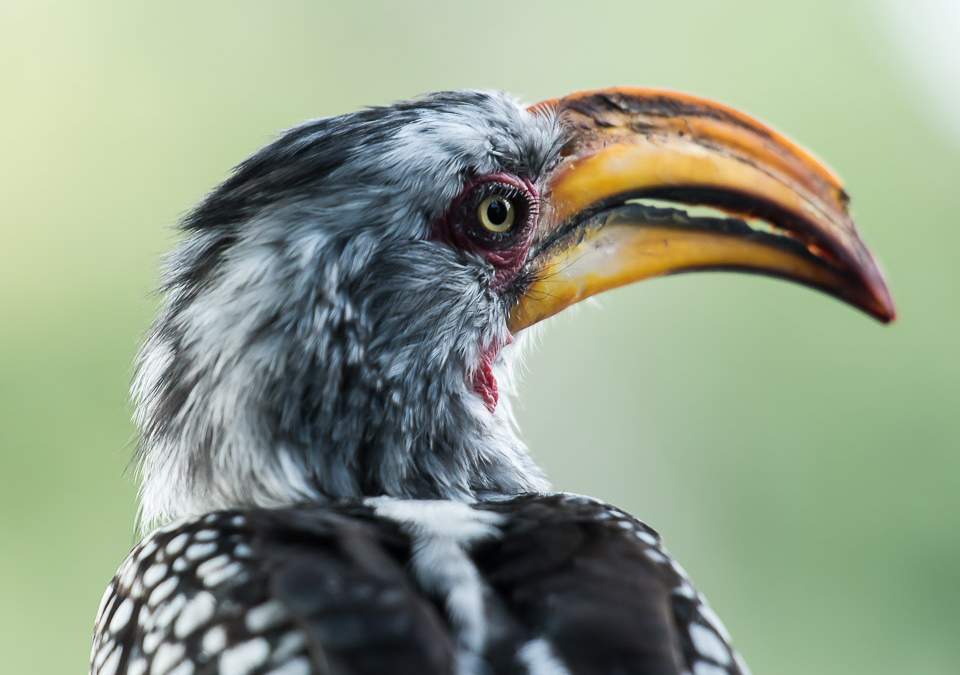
point(461, 226)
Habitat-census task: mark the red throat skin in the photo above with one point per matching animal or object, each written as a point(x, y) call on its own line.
point(484, 383)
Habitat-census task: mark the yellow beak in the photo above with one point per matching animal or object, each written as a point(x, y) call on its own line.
point(775, 209)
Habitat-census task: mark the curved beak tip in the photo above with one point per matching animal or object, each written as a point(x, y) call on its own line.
point(885, 308)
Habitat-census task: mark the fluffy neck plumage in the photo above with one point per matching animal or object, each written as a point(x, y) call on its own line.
point(268, 382)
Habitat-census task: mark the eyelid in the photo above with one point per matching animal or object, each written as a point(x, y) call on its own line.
point(460, 227)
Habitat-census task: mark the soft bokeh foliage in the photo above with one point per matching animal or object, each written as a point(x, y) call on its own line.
point(801, 460)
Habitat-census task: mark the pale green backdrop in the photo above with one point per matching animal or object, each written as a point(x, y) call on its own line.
point(800, 459)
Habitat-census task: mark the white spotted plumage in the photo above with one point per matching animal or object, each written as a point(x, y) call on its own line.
point(187, 624)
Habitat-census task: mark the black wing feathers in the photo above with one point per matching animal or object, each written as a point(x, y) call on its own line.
point(582, 582)
point(569, 585)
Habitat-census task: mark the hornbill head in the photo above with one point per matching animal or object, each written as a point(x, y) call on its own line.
point(341, 316)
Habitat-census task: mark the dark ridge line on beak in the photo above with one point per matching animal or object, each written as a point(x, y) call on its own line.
point(680, 219)
point(723, 198)
point(796, 227)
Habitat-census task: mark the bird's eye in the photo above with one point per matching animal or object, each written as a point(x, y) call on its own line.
point(493, 214)
point(497, 213)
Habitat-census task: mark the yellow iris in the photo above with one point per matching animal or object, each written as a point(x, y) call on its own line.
point(496, 213)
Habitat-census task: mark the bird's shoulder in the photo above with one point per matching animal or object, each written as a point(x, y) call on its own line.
point(538, 584)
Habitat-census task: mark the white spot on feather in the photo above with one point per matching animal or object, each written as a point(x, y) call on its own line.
point(100, 652)
point(168, 654)
point(136, 590)
point(138, 667)
point(127, 573)
point(704, 668)
point(200, 550)
point(706, 611)
point(655, 555)
point(245, 657)
point(110, 665)
point(234, 570)
point(205, 535)
point(151, 640)
point(208, 567)
point(121, 616)
point(264, 617)
point(646, 538)
point(175, 545)
point(214, 640)
point(300, 666)
point(154, 574)
point(288, 645)
point(198, 611)
point(163, 591)
point(147, 548)
point(709, 645)
point(538, 657)
point(144, 616)
point(185, 668)
point(165, 616)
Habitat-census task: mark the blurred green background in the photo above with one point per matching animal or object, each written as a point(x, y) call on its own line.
point(800, 459)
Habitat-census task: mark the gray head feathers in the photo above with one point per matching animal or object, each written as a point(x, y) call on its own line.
point(314, 343)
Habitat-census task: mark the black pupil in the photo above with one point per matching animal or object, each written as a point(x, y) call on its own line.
point(497, 211)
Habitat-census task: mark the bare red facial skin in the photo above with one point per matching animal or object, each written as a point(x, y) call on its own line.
point(484, 383)
point(506, 257)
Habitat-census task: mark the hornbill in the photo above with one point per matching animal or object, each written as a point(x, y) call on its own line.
point(329, 465)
